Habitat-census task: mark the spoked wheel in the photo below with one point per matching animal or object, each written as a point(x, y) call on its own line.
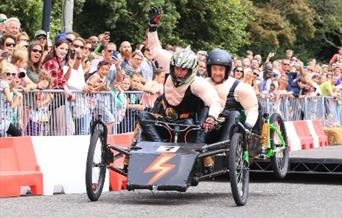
point(96, 165)
point(238, 170)
point(280, 158)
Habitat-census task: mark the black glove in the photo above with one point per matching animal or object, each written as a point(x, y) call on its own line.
point(248, 126)
point(209, 124)
point(154, 16)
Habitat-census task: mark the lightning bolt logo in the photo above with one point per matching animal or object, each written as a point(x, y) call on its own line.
point(160, 167)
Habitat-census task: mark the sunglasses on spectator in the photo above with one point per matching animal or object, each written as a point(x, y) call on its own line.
point(11, 74)
point(241, 71)
point(286, 64)
point(9, 44)
point(256, 74)
point(78, 46)
point(110, 51)
point(37, 50)
point(41, 37)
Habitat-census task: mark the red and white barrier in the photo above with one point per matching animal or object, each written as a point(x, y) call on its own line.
point(305, 134)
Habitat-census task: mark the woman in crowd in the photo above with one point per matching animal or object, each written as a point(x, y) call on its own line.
point(8, 43)
point(34, 62)
point(53, 65)
point(238, 73)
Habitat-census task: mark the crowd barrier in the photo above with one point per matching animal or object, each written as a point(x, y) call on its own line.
point(58, 116)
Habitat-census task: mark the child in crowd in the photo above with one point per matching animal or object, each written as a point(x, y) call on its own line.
point(40, 114)
point(153, 89)
point(97, 81)
point(9, 99)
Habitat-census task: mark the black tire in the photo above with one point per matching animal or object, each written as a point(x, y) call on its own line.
point(280, 159)
point(95, 171)
point(238, 170)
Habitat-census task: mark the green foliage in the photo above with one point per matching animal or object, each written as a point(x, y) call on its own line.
point(312, 28)
point(29, 12)
point(207, 24)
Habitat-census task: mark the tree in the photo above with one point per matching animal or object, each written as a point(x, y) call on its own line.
point(29, 13)
point(206, 24)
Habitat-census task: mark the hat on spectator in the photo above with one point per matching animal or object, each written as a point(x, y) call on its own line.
point(62, 36)
point(3, 18)
point(39, 33)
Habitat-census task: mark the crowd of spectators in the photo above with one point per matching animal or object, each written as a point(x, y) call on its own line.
point(74, 64)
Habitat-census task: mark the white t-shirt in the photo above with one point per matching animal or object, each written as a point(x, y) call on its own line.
point(76, 80)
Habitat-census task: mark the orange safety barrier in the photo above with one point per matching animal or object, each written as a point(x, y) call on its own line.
point(323, 139)
point(303, 132)
point(18, 167)
point(117, 181)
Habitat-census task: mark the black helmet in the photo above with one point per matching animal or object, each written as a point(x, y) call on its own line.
point(219, 57)
point(183, 58)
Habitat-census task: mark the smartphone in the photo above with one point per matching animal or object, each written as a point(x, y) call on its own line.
point(72, 54)
point(115, 54)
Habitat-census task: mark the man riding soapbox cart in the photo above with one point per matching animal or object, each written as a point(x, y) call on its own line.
point(177, 165)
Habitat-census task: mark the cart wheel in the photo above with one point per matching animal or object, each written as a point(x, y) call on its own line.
point(96, 165)
point(238, 170)
point(280, 158)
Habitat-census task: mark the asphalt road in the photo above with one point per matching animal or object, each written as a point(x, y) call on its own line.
point(296, 196)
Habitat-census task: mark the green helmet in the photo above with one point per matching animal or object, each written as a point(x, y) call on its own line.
point(184, 58)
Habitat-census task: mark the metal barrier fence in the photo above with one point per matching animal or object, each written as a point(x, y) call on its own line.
point(48, 112)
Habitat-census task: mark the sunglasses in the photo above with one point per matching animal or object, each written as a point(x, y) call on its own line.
point(78, 46)
point(110, 51)
point(256, 74)
point(241, 71)
point(37, 50)
point(9, 44)
point(41, 37)
point(11, 74)
point(286, 64)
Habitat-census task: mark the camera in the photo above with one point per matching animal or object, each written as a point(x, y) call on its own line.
point(115, 54)
point(72, 53)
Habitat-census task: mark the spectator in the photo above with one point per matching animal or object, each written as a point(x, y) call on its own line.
point(34, 62)
point(94, 42)
point(9, 99)
point(249, 55)
point(41, 36)
point(126, 53)
point(12, 27)
point(264, 85)
point(153, 89)
point(246, 63)
point(86, 57)
point(115, 71)
point(202, 69)
point(289, 54)
point(19, 59)
point(134, 64)
point(328, 87)
point(53, 65)
point(282, 90)
point(3, 18)
point(238, 73)
point(148, 65)
point(255, 64)
point(23, 40)
point(98, 81)
point(39, 115)
point(8, 43)
point(202, 55)
point(336, 58)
